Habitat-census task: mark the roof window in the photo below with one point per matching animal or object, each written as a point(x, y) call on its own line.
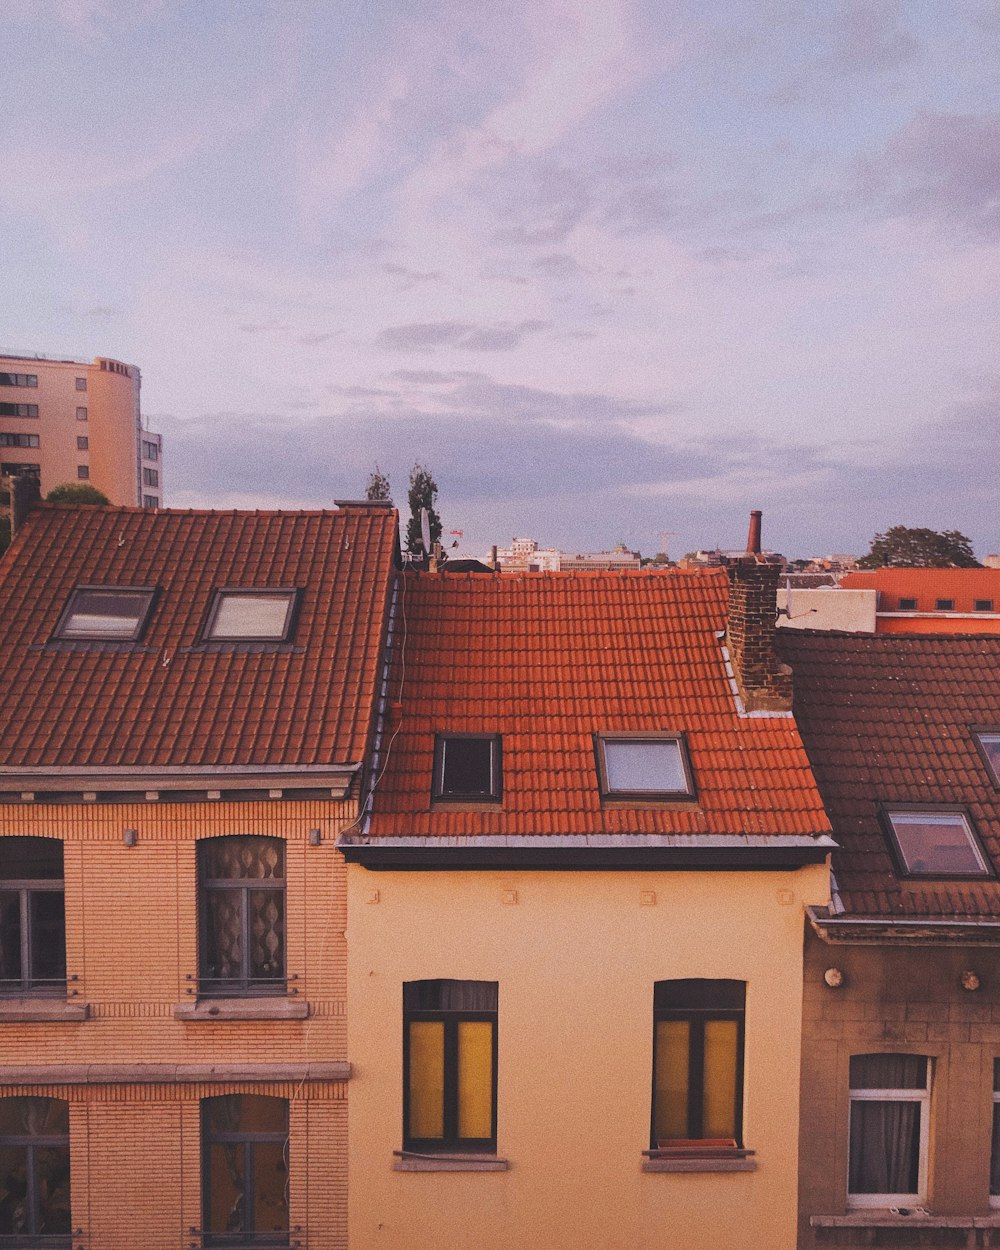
point(106, 612)
point(989, 744)
point(251, 616)
point(936, 843)
point(467, 767)
point(643, 766)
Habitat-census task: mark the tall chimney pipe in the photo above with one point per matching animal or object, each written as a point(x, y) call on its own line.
point(753, 534)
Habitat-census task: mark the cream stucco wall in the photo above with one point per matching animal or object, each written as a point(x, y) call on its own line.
point(576, 956)
point(829, 608)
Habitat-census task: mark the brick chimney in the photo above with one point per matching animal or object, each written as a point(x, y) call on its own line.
point(25, 492)
point(765, 684)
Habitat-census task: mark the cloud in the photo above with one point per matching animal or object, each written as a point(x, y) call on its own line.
point(501, 337)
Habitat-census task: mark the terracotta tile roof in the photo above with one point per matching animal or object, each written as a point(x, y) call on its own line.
point(888, 719)
point(164, 700)
point(549, 659)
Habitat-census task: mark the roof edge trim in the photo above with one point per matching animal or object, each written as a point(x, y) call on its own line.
point(911, 931)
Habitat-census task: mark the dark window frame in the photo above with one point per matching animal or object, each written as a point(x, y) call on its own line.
point(11, 438)
point(18, 410)
point(13, 468)
point(907, 604)
point(944, 605)
point(244, 985)
point(450, 1142)
point(978, 733)
point(150, 477)
point(141, 625)
point(440, 795)
point(294, 594)
point(608, 736)
point(903, 871)
point(26, 888)
point(14, 379)
point(696, 1017)
point(982, 605)
point(31, 1143)
point(239, 1239)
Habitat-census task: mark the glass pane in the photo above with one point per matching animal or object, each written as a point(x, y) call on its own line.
point(885, 1148)
point(52, 1186)
point(261, 1113)
point(426, 1110)
point(670, 1105)
point(448, 995)
point(653, 767)
point(700, 994)
point(936, 843)
point(270, 1188)
point(31, 859)
point(721, 1062)
point(467, 766)
point(242, 859)
point(226, 1188)
point(475, 1078)
point(105, 613)
point(14, 1215)
point(991, 749)
point(222, 958)
point(250, 616)
point(10, 936)
point(267, 935)
point(888, 1072)
point(48, 935)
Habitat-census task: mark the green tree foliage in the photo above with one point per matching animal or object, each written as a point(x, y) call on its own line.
point(378, 486)
point(76, 492)
point(422, 494)
point(905, 548)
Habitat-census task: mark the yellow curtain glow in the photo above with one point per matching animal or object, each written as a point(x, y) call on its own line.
point(475, 1078)
point(427, 1078)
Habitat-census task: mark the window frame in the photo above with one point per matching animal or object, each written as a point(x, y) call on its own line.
point(11, 438)
point(449, 1142)
point(992, 770)
point(14, 379)
point(906, 603)
point(440, 795)
point(995, 1132)
point(248, 1139)
point(606, 736)
point(31, 1143)
point(8, 409)
point(26, 888)
point(944, 605)
point(293, 593)
point(903, 870)
point(982, 605)
point(696, 1053)
point(856, 1201)
point(141, 625)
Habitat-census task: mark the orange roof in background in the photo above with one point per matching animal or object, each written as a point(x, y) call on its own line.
point(165, 700)
point(549, 659)
point(927, 586)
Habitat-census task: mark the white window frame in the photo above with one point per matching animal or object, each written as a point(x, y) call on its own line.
point(923, 1096)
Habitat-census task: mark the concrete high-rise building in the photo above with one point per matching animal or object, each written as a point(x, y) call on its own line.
point(69, 421)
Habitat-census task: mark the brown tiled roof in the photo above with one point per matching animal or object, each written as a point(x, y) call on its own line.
point(165, 700)
point(888, 719)
point(549, 659)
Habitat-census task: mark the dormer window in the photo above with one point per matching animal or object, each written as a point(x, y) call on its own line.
point(251, 616)
point(110, 613)
point(467, 767)
point(643, 766)
point(936, 843)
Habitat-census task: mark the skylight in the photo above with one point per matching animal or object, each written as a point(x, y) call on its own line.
point(105, 612)
point(990, 744)
point(643, 766)
point(937, 844)
point(251, 616)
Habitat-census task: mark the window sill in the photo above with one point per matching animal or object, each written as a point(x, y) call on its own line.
point(408, 1161)
point(880, 1217)
point(242, 1009)
point(41, 1011)
point(694, 1161)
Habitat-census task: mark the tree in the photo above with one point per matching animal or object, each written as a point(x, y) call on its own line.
point(378, 486)
point(905, 548)
point(76, 492)
point(423, 491)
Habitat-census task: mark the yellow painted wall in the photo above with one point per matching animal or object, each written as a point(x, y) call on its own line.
point(576, 957)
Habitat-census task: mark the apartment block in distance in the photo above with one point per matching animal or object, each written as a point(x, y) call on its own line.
point(68, 421)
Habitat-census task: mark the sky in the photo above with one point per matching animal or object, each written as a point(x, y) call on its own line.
point(614, 270)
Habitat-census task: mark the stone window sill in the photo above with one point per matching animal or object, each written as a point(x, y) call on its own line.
point(880, 1218)
point(211, 1009)
point(42, 1011)
point(408, 1161)
point(693, 1161)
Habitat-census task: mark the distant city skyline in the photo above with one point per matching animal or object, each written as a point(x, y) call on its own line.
point(608, 268)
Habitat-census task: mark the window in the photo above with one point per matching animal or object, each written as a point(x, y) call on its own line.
point(887, 1154)
point(936, 843)
point(82, 442)
point(241, 906)
point(150, 477)
point(18, 379)
point(81, 384)
point(83, 471)
point(13, 470)
point(982, 605)
point(450, 1065)
point(18, 410)
point(907, 605)
point(944, 605)
point(81, 414)
point(19, 440)
point(989, 744)
point(106, 612)
point(150, 501)
point(643, 766)
point(34, 1172)
point(467, 767)
point(32, 916)
point(251, 615)
point(244, 1170)
point(698, 1062)
point(150, 451)
point(995, 1146)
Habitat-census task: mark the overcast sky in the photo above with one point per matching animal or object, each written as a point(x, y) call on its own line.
point(609, 267)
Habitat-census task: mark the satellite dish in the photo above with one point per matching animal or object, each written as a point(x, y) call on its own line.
point(425, 529)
